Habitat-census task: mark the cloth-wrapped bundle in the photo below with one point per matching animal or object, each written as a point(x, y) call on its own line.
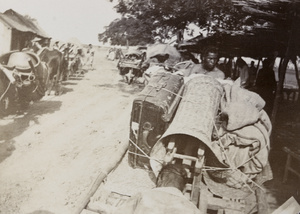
point(244, 139)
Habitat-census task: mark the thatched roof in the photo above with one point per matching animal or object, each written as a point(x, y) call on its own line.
point(249, 45)
point(274, 26)
point(21, 23)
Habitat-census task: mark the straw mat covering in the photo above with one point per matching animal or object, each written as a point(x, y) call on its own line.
point(194, 118)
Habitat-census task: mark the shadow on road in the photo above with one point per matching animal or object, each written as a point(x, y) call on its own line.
point(124, 87)
point(41, 212)
point(66, 90)
point(77, 78)
point(69, 83)
point(14, 125)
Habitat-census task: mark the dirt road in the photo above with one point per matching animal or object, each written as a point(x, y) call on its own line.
point(51, 155)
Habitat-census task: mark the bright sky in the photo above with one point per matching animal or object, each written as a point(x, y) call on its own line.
point(65, 19)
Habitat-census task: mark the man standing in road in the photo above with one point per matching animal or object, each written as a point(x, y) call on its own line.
point(90, 56)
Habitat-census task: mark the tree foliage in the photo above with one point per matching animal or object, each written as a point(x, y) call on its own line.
point(149, 18)
point(130, 29)
point(142, 20)
point(178, 13)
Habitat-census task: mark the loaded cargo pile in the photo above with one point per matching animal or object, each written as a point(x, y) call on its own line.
point(216, 129)
point(173, 121)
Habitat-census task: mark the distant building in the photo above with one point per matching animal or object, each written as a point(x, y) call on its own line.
point(16, 31)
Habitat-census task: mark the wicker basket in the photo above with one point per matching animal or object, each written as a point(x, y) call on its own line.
point(194, 119)
point(197, 110)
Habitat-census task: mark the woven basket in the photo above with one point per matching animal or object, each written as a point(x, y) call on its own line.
point(197, 110)
point(194, 119)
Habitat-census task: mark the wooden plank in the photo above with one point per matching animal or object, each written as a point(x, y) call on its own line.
point(290, 206)
point(195, 194)
point(185, 157)
point(114, 161)
point(203, 198)
point(294, 171)
point(286, 169)
point(196, 189)
point(228, 211)
point(292, 153)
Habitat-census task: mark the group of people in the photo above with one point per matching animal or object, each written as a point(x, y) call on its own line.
point(84, 58)
point(70, 51)
point(262, 82)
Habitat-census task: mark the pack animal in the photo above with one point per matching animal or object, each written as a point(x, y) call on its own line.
point(67, 60)
point(54, 60)
point(30, 75)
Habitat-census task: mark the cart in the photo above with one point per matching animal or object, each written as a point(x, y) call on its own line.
point(173, 122)
point(130, 66)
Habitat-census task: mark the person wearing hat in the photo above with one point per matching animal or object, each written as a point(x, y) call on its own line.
point(90, 56)
point(55, 45)
point(167, 197)
point(35, 45)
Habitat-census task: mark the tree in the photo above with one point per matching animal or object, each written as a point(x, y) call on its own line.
point(167, 17)
point(129, 29)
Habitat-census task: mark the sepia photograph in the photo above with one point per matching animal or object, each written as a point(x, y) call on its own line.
point(149, 106)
